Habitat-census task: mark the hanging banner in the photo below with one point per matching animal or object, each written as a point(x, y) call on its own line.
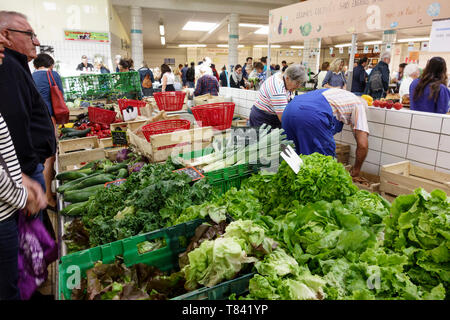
point(376, 48)
point(366, 49)
point(331, 50)
point(410, 46)
point(424, 46)
point(341, 50)
point(328, 18)
point(86, 36)
point(440, 36)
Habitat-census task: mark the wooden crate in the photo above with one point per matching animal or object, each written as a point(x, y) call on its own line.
point(207, 98)
point(343, 153)
point(388, 197)
point(404, 177)
point(132, 125)
point(373, 180)
point(78, 144)
point(197, 138)
point(239, 123)
point(74, 160)
point(74, 112)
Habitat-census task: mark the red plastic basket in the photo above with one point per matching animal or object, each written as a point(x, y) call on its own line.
point(124, 103)
point(218, 115)
point(169, 101)
point(99, 115)
point(165, 126)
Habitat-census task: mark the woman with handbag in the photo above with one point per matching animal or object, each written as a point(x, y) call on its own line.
point(44, 77)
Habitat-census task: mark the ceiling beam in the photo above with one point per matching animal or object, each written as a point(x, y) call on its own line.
point(221, 24)
point(212, 6)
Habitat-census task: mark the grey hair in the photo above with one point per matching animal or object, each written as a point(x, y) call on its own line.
point(6, 16)
point(385, 55)
point(297, 73)
point(410, 69)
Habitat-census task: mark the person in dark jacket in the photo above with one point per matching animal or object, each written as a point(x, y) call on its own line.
point(223, 79)
point(183, 74)
point(247, 68)
point(25, 112)
point(85, 65)
point(359, 77)
point(378, 82)
point(143, 72)
point(236, 78)
point(190, 76)
point(214, 71)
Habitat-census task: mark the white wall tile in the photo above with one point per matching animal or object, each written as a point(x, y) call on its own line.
point(423, 165)
point(427, 123)
point(420, 154)
point(396, 133)
point(243, 94)
point(376, 129)
point(376, 115)
point(446, 126)
point(444, 143)
point(394, 148)
point(424, 139)
point(347, 127)
point(337, 136)
point(250, 104)
point(389, 159)
point(443, 160)
point(348, 138)
point(442, 170)
point(373, 157)
point(245, 113)
point(370, 168)
point(400, 119)
point(375, 143)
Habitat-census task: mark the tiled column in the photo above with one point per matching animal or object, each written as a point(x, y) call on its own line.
point(311, 54)
point(137, 44)
point(233, 40)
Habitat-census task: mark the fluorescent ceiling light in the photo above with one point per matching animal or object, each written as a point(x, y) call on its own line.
point(373, 42)
point(266, 46)
point(199, 26)
point(251, 25)
point(226, 46)
point(163, 41)
point(161, 29)
point(262, 30)
point(297, 47)
point(343, 45)
point(413, 40)
point(191, 45)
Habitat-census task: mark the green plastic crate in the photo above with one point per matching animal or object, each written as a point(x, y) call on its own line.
point(99, 86)
point(223, 180)
point(166, 259)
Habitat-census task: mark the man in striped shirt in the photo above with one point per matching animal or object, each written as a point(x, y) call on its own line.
point(312, 119)
point(273, 96)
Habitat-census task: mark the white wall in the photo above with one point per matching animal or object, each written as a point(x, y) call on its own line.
point(395, 135)
point(155, 57)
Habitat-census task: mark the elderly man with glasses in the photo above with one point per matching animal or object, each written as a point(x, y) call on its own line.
point(22, 107)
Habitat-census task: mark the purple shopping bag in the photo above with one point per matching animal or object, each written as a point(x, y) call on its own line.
point(37, 250)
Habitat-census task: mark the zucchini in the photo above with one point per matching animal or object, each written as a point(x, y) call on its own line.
point(122, 174)
point(76, 196)
point(78, 133)
point(66, 185)
point(67, 130)
point(74, 209)
point(71, 175)
point(91, 181)
point(89, 165)
point(115, 167)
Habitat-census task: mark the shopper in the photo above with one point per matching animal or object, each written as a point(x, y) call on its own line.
point(359, 77)
point(99, 66)
point(274, 94)
point(223, 77)
point(25, 112)
point(214, 72)
point(399, 75)
point(335, 77)
point(258, 73)
point(85, 65)
point(312, 119)
point(378, 81)
point(247, 68)
point(167, 78)
point(177, 84)
point(147, 79)
point(264, 62)
point(190, 76)
point(42, 78)
point(207, 83)
point(125, 65)
point(117, 61)
point(430, 93)
point(410, 73)
point(323, 72)
point(183, 74)
point(284, 66)
point(236, 78)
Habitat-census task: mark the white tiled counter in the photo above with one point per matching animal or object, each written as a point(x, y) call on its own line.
point(395, 135)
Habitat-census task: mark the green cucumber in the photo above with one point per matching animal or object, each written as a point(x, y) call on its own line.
point(78, 133)
point(91, 181)
point(74, 209)
point(115, 167)
point(63, 188)
point(122, 174)
point(76, 196)
point(89, 165)
point(67, 130)
point(71, 175)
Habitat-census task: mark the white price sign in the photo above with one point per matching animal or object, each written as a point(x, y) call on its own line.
point(440, 36)
point(341, 50)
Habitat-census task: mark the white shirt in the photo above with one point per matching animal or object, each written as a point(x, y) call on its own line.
point(170, 77)
point(404, 87)
point(320, 78)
